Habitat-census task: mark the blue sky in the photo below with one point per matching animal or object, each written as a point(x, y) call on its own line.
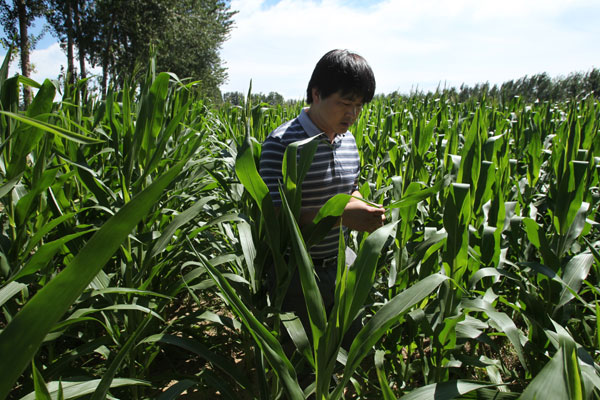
point(409, 44)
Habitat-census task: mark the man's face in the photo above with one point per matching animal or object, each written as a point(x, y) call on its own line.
point(335, 113)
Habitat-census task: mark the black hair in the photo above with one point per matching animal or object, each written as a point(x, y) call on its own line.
point(343, 71)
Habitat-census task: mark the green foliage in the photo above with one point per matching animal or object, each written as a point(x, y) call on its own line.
point(136, 234)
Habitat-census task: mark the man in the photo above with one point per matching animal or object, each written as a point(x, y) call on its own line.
point(341, 83)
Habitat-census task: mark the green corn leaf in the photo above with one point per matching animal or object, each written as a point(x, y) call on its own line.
point(574, 273)
point(457, 215)
point(150, 119)
point(4, 67)
point(25, 136)
point(41, 391)
point(383, 319)
point(27, 203)
point(293, 176)
point(294, 327)
point(553, 378)
point(198, 348)
point(312, 295)
point(36, 318)
point(537, 237)
point(361, 273)
point(159, 151)
point(504, 323)
point(184, 217)
point(45, 254)
point(245, 169)
point(386, 391)
point(41, 233)
point(109, 375)
point(248, 250)
point(263, 338)
point(9, 290)
point(72, 390)
point(174, 392)
point(446, 390)
point(575, 229)
point(53, 129)
point(584, 374)
point(9, 185)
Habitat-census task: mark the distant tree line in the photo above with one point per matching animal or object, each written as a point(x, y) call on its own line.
point(239, 99)
point(118, 36)
point(538, 87)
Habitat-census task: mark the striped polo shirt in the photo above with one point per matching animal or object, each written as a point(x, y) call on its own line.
point(334, 170)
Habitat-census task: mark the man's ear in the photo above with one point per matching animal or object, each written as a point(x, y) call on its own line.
point(316, 95)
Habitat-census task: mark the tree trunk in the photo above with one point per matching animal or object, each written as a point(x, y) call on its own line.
point(107, 56)
point(70, 57)
point(24, 47)
point(79, 39)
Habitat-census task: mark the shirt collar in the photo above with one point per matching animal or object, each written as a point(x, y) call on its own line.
point(310, 127)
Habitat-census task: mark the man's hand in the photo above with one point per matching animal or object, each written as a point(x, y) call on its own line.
point(362, 217)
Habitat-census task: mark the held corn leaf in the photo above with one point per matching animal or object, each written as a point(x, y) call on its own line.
point(414, 197)
point(326, 218)
point(22, 336)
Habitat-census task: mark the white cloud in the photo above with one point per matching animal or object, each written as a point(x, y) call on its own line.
point(408, 43)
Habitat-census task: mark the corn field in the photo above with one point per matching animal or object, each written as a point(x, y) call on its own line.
point(136, 233)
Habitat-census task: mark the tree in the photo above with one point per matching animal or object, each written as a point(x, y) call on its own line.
point(16, 19)
point(190, 48)
point(234, 98)
point(185, 34)
point(65, 18)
